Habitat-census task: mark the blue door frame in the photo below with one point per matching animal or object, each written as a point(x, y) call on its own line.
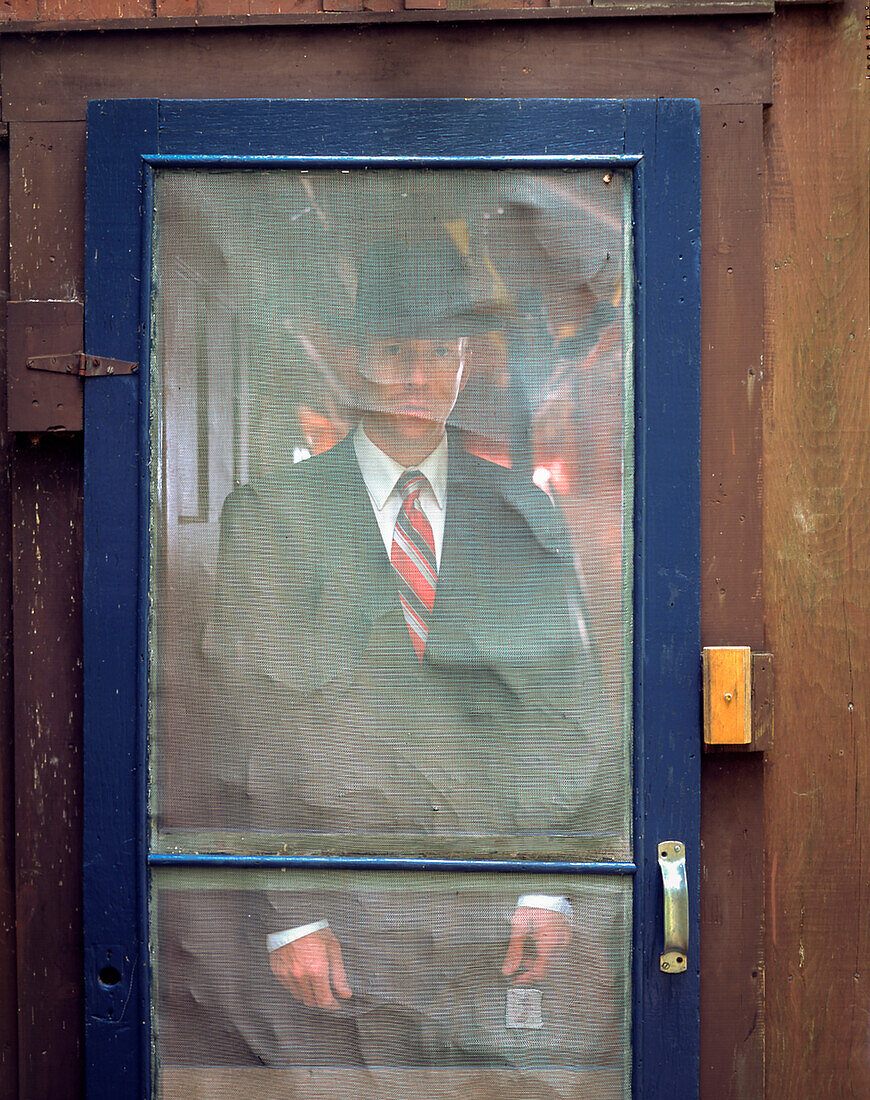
point(659, 140)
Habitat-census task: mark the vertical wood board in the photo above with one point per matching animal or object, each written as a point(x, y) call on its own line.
point(817, 558)
point(47, 166)
point(732, 806)
point(46, 518)
point(731, 333)
point(8, 968)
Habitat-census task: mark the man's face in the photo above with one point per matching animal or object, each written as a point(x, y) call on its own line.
point(409, 386)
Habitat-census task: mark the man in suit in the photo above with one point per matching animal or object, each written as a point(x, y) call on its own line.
point(397, 632)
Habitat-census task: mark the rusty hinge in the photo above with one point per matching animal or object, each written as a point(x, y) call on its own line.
point(82, 365)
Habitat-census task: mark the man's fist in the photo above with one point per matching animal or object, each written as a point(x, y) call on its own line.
point(542, 930)
point(311, 968)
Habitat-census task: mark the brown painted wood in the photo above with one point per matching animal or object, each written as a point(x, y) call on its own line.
point(817, 558)
point(8, 967)
point(731, 339)
point(184, 14)
point(47, 164)
point(732, 812)
point(93, 9)
point(19, 10)
point(46, 518)
point(732, 928)
point(763, 689)
point(52, 79)
point(41, 401)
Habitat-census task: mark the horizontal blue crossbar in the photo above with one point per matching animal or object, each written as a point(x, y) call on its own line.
point(203, 160)
point(392, 863)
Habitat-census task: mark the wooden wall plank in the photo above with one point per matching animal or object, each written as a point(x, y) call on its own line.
point(8, 969)
point(46, 262)
point(51, 79)
point(817, 558)
point(731, 335)
point(47, 564)
point(47, 166)
point(732, 808)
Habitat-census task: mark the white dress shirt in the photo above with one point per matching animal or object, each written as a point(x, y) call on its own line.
point(381, 474)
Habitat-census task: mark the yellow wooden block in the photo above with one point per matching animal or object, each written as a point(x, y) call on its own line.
point(727, 695)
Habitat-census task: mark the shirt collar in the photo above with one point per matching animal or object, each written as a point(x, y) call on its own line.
point(380, 472)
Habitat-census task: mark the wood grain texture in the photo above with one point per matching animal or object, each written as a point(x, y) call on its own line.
point(47, 15)
point(727, 695)
point(52, 79)
point(732, 808)
point(8, 969)
point(46, 517)
point(93, 9)
point(817, 558)
point(284, 13)
point(47, 165)
point(18, 10)
point(731, 333)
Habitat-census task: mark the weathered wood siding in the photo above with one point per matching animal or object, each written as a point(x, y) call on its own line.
point(817, 557)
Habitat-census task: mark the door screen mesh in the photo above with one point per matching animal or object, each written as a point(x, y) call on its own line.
point(338, 671)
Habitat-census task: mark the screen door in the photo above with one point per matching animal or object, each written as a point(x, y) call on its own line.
point(392, 626)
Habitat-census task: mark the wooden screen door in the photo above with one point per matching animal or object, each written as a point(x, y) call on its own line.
point(391, 598)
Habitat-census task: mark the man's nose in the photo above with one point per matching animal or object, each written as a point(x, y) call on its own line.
point(416, 365)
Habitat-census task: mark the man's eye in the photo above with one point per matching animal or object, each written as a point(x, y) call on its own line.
point(441, 350)
point(392, 350)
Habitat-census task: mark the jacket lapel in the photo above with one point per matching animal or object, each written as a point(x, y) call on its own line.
point(358, 561)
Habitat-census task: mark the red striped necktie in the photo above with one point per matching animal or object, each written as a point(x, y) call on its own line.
point(413, 558)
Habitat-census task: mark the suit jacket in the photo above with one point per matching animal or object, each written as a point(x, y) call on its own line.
point(336, 726)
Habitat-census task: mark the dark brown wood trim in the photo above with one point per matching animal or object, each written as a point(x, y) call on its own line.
point(732, 807)
point(46, 607)
point(47, 79)
point(46, 193)
point(8, 965)
point(593, 9)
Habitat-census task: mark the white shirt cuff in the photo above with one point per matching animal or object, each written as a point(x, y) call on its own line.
point(280, 939)
point(546, 901)
point(533, 901)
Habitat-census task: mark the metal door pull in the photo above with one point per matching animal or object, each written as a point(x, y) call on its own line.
point(672, 861)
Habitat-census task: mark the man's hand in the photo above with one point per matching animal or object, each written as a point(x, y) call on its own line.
point(545, 931)
point(311, 968)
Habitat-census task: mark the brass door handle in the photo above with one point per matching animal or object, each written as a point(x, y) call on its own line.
point(672, 861)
